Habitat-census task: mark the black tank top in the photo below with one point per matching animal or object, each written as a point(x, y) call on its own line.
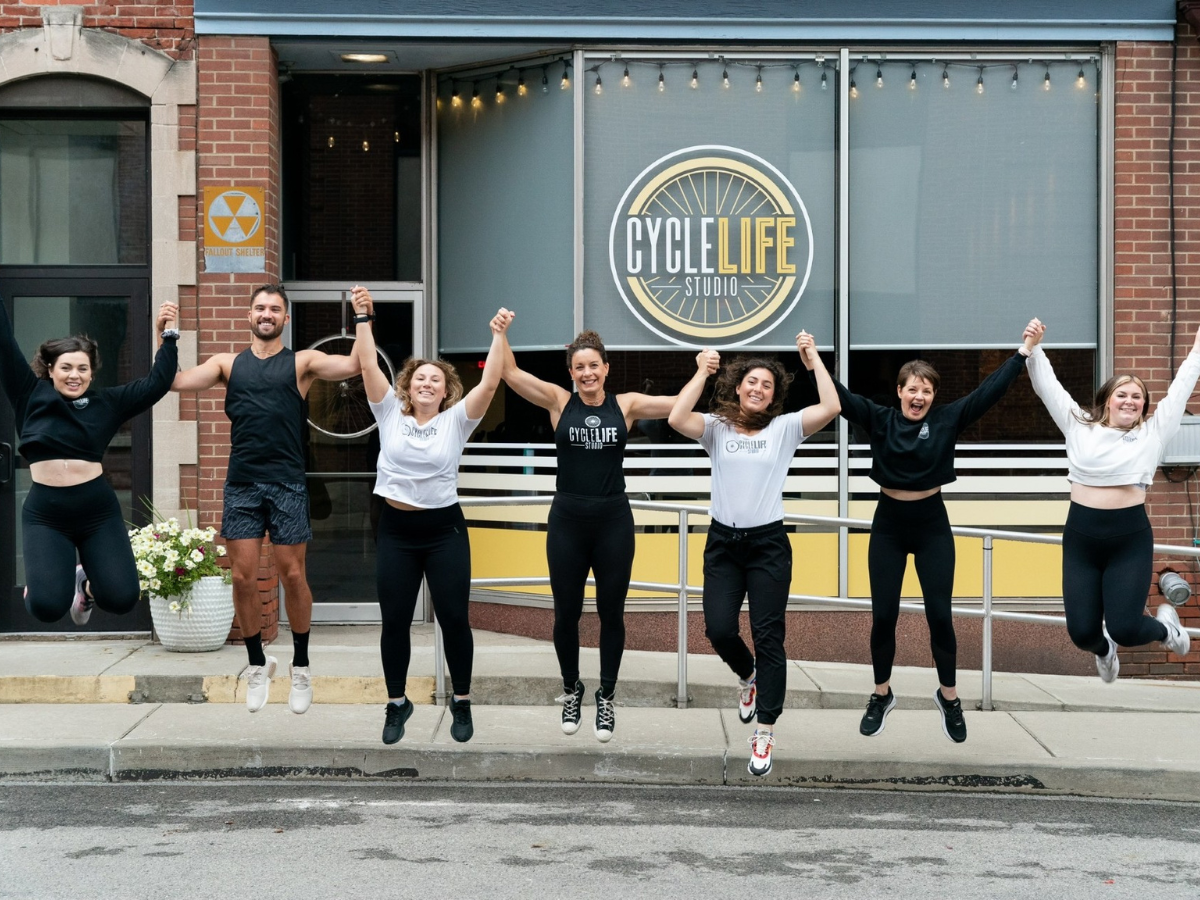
point(591, 448)
point(266, 413)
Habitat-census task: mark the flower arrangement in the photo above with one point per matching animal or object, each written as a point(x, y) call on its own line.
point(171, 558)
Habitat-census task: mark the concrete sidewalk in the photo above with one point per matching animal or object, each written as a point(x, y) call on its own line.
point(1049, 734)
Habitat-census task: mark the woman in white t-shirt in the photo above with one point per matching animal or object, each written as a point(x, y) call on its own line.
point(751, 444)
point(1108, 547)
point(422, 532)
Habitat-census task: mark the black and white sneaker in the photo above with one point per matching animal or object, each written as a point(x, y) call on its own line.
point(394, 718)
point(572, 712)
point(606, 718)
point(747, 699)
point(875, 718)
point(82, 604)
point(462, 728)
point(1177, 641)
point(952, 717)
point(1108, 665)
point(761, 743)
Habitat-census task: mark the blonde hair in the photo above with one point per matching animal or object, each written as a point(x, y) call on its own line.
point(454, 385)
point(1098, 414)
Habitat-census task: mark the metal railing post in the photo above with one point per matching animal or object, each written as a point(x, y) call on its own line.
point(681, 697)
point(987, 623)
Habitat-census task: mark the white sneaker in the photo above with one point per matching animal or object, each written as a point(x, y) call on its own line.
point(747, 699)
point(82, 605)
point(606, 718)
point(1177, 640)
point(258, 688)
point(1108, 665)
point(761, 743)
point(300, 697)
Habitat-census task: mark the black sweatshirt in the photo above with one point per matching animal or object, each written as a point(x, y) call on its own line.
point(917, 456)
point(52, 427)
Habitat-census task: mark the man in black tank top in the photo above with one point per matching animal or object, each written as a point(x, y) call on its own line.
point(265, 387)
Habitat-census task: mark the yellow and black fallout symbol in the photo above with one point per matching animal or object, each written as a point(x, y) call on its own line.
point(711, 246)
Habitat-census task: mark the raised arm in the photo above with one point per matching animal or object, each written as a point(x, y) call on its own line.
point(209, 373)
point(480, 397)
point(375, 382)
point(819, 415)
point(328, 366)
point(682, 416)
point(645, 406)
point(15, 374)
point(1169, 411)
point(1058, 402)
point(137, 396)
point(972, 407)
point(540, 393)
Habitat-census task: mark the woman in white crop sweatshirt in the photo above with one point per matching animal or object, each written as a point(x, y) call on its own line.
point(1113, 449)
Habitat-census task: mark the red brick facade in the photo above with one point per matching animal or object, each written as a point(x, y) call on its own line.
point(167, 28)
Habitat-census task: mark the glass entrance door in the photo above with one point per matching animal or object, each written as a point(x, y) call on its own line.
point(343, 444)
point(115, 312)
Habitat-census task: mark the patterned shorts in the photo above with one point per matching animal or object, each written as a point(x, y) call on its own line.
point(253, 509)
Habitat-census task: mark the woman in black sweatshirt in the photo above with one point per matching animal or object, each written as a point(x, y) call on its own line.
point(64, 426)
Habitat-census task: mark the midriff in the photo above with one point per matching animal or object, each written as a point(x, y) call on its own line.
point(64, 472)
point(909, 495)
point(1114, 496)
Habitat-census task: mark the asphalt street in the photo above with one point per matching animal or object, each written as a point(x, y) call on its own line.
point(364, 839)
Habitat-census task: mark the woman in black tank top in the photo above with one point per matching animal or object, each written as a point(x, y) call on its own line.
point(590, 526)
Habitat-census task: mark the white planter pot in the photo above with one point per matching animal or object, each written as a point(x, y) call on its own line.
point(205, 623)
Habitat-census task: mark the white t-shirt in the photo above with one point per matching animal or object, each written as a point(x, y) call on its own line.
point(1103, 456)
point(748, 471)
point(418, 464)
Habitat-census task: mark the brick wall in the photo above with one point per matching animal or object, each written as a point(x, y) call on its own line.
point(164, 27)
point(1142, 274)
point(237, 142)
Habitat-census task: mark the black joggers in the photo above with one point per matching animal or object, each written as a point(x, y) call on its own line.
point(755, 562)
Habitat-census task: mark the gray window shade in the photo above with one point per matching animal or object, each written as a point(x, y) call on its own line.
point(972, 212)
point(505, 206)
point(628, 129)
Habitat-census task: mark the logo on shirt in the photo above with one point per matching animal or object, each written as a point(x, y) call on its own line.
point(924, 435)
point(592, 438)
point(746, 445)
point(419, 433)
point(1129, 437)
point(592, 421)
point(81, 403)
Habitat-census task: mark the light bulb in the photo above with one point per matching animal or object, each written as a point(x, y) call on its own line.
point(824, 82)
point(912, 80)
point(475, 101)
point(599, 89)
point(521, 89)
point(329, 142)
point(979, 84)
point(545, 82)
point(1046, 81)
point(853, 88)
point(1014, 81)
point(878, 77)
point(946, 78)
point(499, 93)
point(796, 83)
point(1080, 80)
point(565, 84)
point(695, 79)
point(625, 81)
point(725, 77)
point(455, 100)
point(366, 147)
point(758, 82)
point(396, 137)
point(662, 84)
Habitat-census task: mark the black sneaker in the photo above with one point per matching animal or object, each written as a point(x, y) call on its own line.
point(461, 728)
point(572, 712)
point(394, 719)
point(952, 717)
point(606, 718)
point(875, 718)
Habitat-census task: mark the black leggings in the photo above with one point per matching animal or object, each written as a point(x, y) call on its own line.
point(922, 528)
point(757, 562)
point(1107, 564)
point(593, 533)
point(57, 522)
point(432, 543)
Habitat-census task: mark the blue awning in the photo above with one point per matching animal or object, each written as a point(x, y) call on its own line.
point(697, 21)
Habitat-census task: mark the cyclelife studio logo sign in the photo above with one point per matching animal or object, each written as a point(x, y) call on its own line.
point(711, 245)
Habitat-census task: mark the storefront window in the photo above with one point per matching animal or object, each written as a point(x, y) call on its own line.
point(72, 192)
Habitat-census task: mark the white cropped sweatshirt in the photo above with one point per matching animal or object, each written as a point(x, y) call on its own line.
point(1102, 456)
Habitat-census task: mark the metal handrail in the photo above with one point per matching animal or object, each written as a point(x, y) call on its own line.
point(682, 590)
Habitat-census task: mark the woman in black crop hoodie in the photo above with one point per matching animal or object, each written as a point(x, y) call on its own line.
point(590, 526)
point(64, 427)
point(912, 450)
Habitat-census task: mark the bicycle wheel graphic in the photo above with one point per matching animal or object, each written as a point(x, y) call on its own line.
point(339, 408)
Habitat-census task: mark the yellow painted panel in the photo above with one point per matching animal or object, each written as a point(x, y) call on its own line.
point(1026, 570)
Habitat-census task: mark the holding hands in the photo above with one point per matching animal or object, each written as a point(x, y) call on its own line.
point(502, 320)
point(806, 345)
point(1033, 334)
point(708, 361)
point(360, 298)
point(167, 314)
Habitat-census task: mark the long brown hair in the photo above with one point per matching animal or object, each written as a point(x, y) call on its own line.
point(454, 385)
point(1098, 414)
point(725, 403)
point(49, 352)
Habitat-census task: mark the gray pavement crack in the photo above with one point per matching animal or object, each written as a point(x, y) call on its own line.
point(1032, 735)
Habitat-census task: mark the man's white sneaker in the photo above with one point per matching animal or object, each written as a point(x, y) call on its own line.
point(761, 743)
point(82, 604)
point(1177, 640)
point(1108, 665)
point(258, 684)
point(300, 697)
point(747, 699)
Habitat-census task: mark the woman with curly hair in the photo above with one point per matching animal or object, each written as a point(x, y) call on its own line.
point(423, 428)
point(751, 442)
point(912, 456)
point(1108, 547)
point(590, 526)
point(65, 425)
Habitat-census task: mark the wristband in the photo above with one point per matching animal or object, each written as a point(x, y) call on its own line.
point(359, 320)
point(170, 333)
